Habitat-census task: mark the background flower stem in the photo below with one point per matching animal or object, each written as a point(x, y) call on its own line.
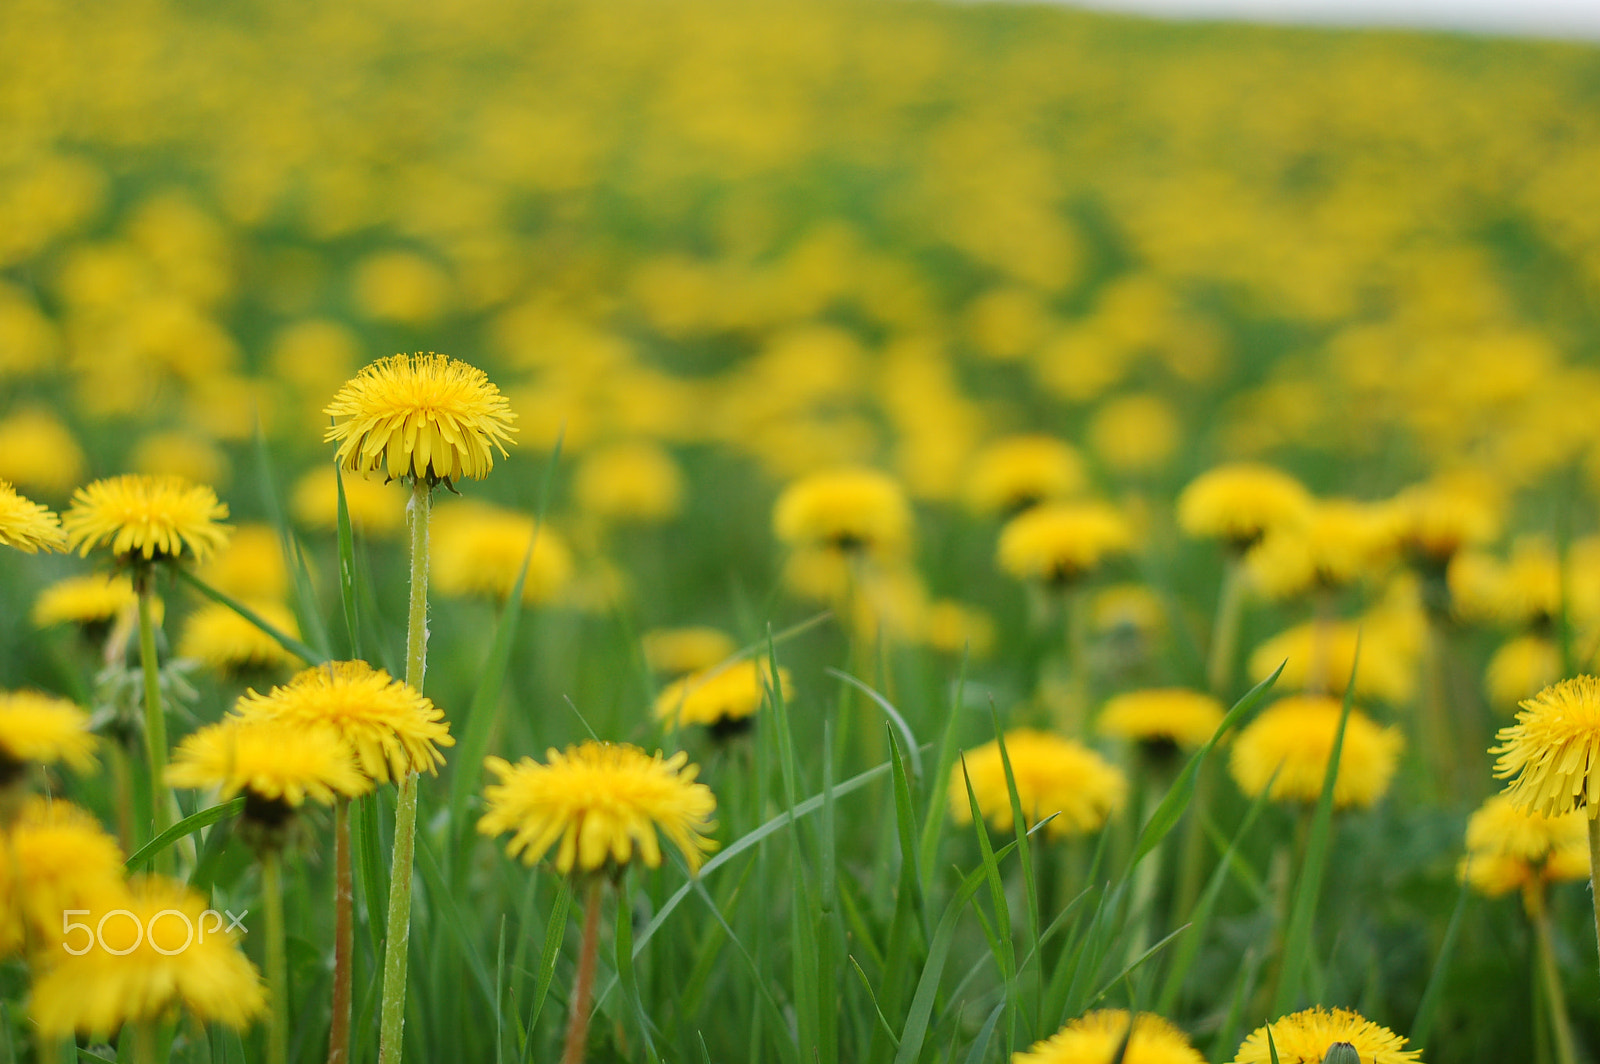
point(155, 724)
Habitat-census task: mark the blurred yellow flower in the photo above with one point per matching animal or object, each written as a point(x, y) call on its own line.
point(1305, 1037)
point(953, 627)
point(1440, 517)
point(1294, 738)
point(220, 638)
point(1173, 715)
point(680, 651)
point(1520, 668)
point(1060, 543)
point(1510, 849)
point(1135, 434)
point(38, 452)
point(1016, 472)
point(722, 697)
point(1240, 502)
point(42, 728)
point(1053, 776)
point(91, 601)
point(1324, 653)
point(1551, 755)
point(1332, 545)
point(143, 517)
point(154, 959)
point(251, 565)
point(373, 508)
point(422, 415)
point(478, 549)
point(1096, 1038)
point(180, 454)
point(629, 482)
point(845, 510)
point(392, 729)
point(595, 803)
point(59, 858)
point(26, 525)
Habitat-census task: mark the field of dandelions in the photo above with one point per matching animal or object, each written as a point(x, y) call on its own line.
point(910, 503)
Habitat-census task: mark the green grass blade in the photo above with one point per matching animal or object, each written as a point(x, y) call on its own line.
point(283, 639)
point(1428, 1007)
point(912, 747)
point(980, 1043)
point(555, 932)
point(366, 844)
point(788, 1050)
point(347, 568)
point(883, 1021)
point(938, 793)
point(1308, 885)
point(628, 978)
point(1172, 806)
point(187, 826)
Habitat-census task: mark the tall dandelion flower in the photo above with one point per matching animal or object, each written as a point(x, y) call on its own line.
point(155, 960)
point(600, 806)
point(846, 510)
point(1095, 1037)
point(53, 857)
point(1016, 473)
point(42, 729)
point(1060, 543)
point(423, 416)
point(91, 602)
point(1305, 1038)
point(26, 525)
point(724, 698)
point(1171, 716)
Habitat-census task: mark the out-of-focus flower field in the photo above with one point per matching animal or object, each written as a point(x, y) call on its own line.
point(903, 352)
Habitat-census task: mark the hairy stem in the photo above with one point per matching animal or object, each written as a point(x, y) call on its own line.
point(277, 963)
point(343, 934)
point(583, 993)
point(155, 723)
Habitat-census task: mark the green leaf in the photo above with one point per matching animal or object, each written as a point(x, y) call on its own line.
point(283, 639)
point(187, 826)
point(1428, 1008)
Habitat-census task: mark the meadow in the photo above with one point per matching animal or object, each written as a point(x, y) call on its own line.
point(867, 389)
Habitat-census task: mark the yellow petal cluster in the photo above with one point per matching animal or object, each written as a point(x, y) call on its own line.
point(1551, 755)
point(149, 517)
point(36, 727)
point(1304, 1038)
point(1095, 1038)
point(844, 509)
point(1052, 774)
point(272, 761)
point(1172, 714)
point(720, 694)
point(1294, 738)
point(595, 803)
point(26, 525)
point(1058, 543)
point(1240, 502)
point(1509, 848)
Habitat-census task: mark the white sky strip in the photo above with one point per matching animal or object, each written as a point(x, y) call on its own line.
point(1534, 18)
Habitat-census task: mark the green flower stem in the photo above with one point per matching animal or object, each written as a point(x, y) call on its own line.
point(398, 940)
point(1594, 865)
point(343, 934)
point(583, 993)
point(144, 1042)
point(1074, 713)
point(1560, 1023)
point(277, 963)
point(155, 723)
point(1225, 630)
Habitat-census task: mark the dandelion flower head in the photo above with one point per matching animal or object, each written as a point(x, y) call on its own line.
point(478, 550)
point(1170, 714)
point(391, 728)
point(1333, 544)
point(60, 858)
point(1551, 755)
point(1520, 668)
point(277, 764)
point(222, 639)
point(1509, 848)
point(1304, 1038)
point(26, 525)
point(629, 482)
point(680, 651)
point(149, 518)
point(1095, 1037)
point(1239, 502)
point(1294, 738)
point(1018, 472)
point(89, 601)
point(1052, 774)
point(36, 727)
point(1059, 543)
point(845, 510)
point(721, 694)
point(596, 802)
point(422, 416)
point(142, 974)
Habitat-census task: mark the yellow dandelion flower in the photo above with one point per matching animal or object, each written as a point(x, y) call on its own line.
point(38, 452)
point(1095, 1037)
point(1521, 668)
point(1053, 775)
point(1124, 608)
point(277, 764)
point(41, 728)
point(162, 950)
point(478, 551)
point(1387, 672)
point(724, 698)
point(1240, 502)
point(952, 627)
point(629, 482)
point(373, 508)
point(819, 574)
point(55, 857)
point(680, 651)
point(1135, 434)
point(1059, 543)
point(845, 510)
point(1304, 1038)
point(152, 518)
point(392, 729)
point(1333, 544)
point(1438, 518)
point(26, 525)
point(251, 566)
point(89, 601)
point(1550, 752)
point(1171, 714)
point(596, 802)
point(219, 637)
point(1511, 849)
point(421, 415)
point(1017, 472)
point(1294, 738)
point(1529, 591)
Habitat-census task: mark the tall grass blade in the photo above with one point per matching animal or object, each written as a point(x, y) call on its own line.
point(187, 826)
